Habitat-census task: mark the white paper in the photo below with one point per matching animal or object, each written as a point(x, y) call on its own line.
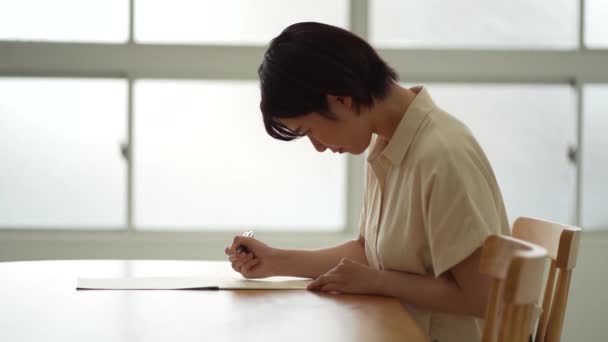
point(191, 283)
point(244, 284)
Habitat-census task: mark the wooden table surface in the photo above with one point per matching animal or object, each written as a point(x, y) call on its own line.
point(39, 302)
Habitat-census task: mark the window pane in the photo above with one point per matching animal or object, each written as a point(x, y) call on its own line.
point(596, 26)
point(204, 161)
point(525, 130)
point(474, 23)
point(595, 157)
point(59, 152)
point(65, 20)
point(230, 21)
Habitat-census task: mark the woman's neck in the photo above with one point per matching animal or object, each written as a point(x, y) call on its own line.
point(387, 113)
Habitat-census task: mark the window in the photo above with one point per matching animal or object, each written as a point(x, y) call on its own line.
point(156, 155)
point(595, 157)
point(203, 159)
point(59, 151)
point(596, 28)
point(142, 116)
point(493, 24)
point(65, 20)
point(229, 22)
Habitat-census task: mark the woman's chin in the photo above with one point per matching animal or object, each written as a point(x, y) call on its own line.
point(355, 151)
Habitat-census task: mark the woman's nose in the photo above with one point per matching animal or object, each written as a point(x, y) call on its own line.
point(318, 146)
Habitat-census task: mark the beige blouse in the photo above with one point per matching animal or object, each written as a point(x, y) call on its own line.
point(431, 199)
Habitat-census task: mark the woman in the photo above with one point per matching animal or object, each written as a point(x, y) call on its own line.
point(431, 197)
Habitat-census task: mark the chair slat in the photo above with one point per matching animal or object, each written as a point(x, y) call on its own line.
point(558, 307)
point(489, 329)
point(543, 322)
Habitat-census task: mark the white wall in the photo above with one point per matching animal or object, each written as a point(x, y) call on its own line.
point(587, 312)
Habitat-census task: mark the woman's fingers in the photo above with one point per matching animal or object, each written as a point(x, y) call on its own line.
point(240, 257)
point(332, 287)
point(323, 280)
point(238, 260)
point(249, 266)
point(237, 241)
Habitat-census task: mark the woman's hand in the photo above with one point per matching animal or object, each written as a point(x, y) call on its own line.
point(349, 277)
point(257, 262)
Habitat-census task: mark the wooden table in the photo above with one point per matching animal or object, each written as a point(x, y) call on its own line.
point(38, 302)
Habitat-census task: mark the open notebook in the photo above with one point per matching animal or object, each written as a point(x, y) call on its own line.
point(191, 283)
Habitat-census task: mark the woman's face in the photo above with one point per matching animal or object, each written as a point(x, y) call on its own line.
point(349, 132)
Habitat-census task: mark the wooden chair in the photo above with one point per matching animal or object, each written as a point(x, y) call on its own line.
point(516, 268)
point(561, 242)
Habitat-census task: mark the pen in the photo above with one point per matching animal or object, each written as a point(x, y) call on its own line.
point(243, 248)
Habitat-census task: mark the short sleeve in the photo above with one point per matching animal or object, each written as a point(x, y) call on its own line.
point(460, 207)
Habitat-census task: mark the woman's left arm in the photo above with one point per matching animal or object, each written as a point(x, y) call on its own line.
point(462, 290)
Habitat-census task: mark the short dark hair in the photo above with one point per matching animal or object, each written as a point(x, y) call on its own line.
point(309, 61)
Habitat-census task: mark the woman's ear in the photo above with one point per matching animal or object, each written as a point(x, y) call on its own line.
point(339, 103)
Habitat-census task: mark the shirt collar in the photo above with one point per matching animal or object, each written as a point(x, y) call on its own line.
point(396, 149)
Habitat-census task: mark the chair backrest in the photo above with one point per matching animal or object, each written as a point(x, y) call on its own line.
point(516, 268)
point(561, 242)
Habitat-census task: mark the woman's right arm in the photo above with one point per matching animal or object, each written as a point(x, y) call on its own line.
point(264, 261)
